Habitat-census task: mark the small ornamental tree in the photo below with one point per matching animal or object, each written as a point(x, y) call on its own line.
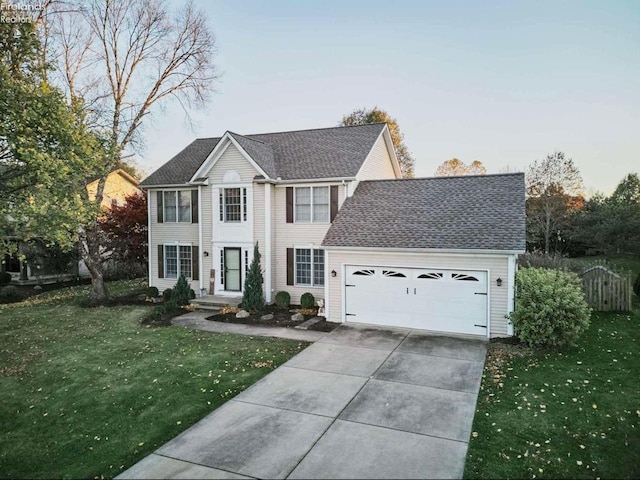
point(253, 298)
point(181, 292)
point(551, 311)
point(125, 228)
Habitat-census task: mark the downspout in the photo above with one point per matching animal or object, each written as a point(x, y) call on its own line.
point(149, 254)
point(267, 240)
point(201, 247)
point(511, 277)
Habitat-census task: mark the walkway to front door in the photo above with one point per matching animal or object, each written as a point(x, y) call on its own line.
point(360, 403)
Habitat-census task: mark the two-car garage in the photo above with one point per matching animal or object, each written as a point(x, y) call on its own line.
point(447, 300)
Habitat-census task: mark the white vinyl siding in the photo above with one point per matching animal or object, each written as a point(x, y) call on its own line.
point(232, 159)
point(294, 235)
point(170, 233)
point(378, 164)
point(496, 264)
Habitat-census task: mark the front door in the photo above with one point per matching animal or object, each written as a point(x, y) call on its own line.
point(232, 269)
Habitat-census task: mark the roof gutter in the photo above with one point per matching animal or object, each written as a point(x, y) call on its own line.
point(437, 251)
point(279, 181)
point(172, 185)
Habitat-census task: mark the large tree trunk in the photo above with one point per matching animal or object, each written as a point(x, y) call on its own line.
point(91, 254)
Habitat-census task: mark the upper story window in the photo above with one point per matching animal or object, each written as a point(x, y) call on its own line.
point(233, 204)
point(312, 204)
point(177, 205)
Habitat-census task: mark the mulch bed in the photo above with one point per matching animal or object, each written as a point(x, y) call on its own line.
point(281, 318)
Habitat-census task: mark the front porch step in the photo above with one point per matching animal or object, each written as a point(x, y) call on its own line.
point(215, 302)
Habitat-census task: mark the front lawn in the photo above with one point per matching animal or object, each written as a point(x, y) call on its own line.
point(87, 392)
point(573, 414)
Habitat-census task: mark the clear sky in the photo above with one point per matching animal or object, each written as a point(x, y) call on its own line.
point(501, 82)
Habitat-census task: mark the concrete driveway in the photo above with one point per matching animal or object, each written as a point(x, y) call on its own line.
point(360, 403)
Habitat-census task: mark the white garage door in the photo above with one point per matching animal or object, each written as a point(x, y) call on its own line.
point(430, 299)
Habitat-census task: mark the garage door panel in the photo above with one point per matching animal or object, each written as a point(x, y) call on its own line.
point(432, 299)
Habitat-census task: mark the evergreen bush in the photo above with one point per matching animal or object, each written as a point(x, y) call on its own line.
point(253, 297)
point(152, 292)
point(283, 299)
point(182, 292)
point(307, 301)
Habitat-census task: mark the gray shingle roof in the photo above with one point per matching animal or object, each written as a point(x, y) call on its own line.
point(484, 212)
point(320, 153)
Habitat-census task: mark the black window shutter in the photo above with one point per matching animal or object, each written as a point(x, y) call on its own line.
point(160, 206)
point(334, 201)
point(160, 261)
point(290, 206)
point(195, 263)
point(290, 266)
point(194, 206)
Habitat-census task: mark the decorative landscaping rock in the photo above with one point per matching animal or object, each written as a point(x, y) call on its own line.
point(242, 314)
point(297, 317)
point(37, 287)
point(268, 316)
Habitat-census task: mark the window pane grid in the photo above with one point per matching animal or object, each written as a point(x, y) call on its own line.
point(303, 204)
point(185, 261)
point(232, 207)
point(318, 267)
point(171, 261)
point(184, 206)
point(170, 214)
point(303, 266)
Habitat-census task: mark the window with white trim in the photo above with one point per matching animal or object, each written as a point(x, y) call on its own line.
point(311, 204)
point(233, 205)
point(309, 267)
point(177, 206)
point(177, 261)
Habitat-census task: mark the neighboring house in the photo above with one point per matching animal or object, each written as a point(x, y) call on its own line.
point(118, 186)
point(332, 217)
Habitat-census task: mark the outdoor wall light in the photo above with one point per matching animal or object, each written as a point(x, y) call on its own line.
point(499, 281)
point(205, 253)
point(333, 273)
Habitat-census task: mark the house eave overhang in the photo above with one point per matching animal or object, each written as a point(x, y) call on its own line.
point(448, 251)
point(226, 140)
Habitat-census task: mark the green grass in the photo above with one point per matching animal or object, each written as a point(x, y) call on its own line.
point(89, 392)
point(571, 414)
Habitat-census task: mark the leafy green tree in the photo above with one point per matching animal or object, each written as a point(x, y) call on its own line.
point(46, 151)
point(363, 116)
point(628, 190)
point(253, 296)
point(612, 225)
point(455, 167)
point(554, 193)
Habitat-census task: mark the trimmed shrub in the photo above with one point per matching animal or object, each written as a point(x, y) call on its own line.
point(5, 278)
point(636, 286)
point(307, 301)
point(152, 292)
point(283, 299)
point(10, 294)
point(167, 294)
point(551, 310)
point(192, 294)
point(182, 291)
point(557, 262)
point(253, 297)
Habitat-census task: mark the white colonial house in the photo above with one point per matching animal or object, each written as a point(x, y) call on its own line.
point(331, 216)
